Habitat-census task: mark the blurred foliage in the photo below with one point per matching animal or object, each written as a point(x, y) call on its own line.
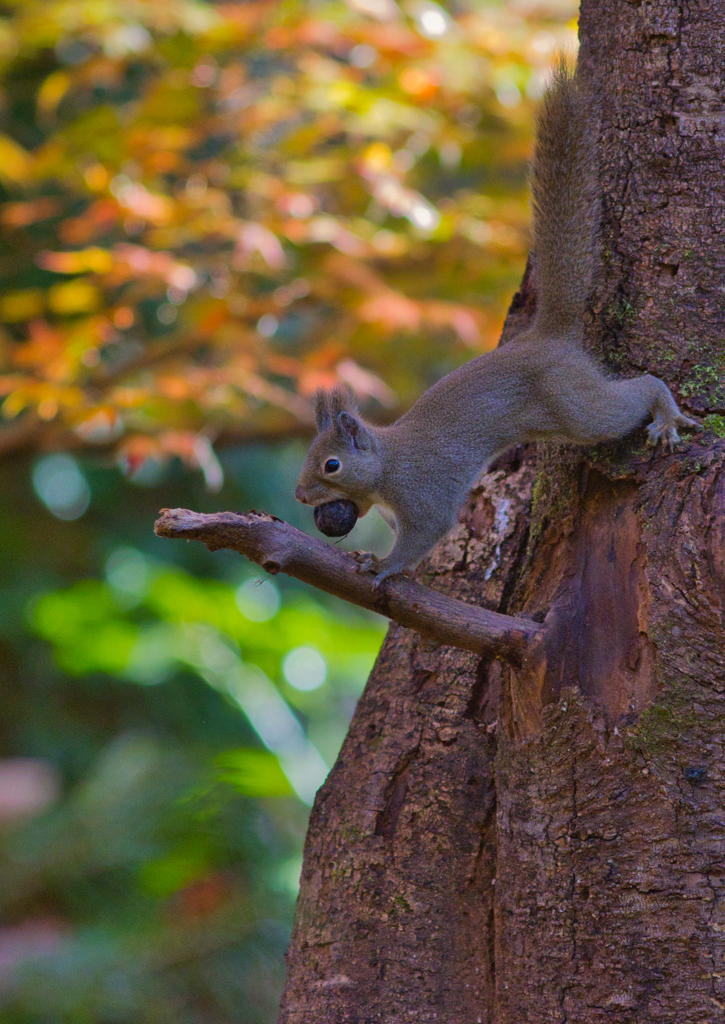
point(168, 714)
point(206, 212)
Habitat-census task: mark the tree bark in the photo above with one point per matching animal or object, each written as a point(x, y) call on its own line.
point(546, 842)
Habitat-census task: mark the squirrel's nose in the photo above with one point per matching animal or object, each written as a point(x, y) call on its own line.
point(300, 495)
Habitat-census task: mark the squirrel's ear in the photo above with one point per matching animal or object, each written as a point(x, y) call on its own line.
point(354, 431)
point(323, 417)
point(329, 404)
point(341, 399)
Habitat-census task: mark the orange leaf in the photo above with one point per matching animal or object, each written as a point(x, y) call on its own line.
point(18, 215)
point(214, 318)
point(392, 309)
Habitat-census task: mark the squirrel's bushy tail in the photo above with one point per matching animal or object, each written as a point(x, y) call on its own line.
point(566, 206)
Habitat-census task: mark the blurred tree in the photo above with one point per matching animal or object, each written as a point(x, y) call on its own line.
point(207, 211)
point(211, 210)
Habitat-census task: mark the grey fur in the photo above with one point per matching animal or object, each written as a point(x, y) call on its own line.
point(420, 470)
point(565, 192)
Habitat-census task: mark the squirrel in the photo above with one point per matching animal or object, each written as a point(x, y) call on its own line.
point(420, 470)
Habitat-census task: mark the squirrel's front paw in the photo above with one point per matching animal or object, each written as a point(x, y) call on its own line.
point(366, 561)
point(386, 570)
point(383, 576)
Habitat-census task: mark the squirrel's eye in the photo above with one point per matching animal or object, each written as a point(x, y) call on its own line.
point(332, 465)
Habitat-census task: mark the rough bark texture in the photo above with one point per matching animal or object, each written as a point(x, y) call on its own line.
point(547, 842)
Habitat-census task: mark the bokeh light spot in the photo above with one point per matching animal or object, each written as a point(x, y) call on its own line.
point(304, 668)
point(258, 600)
point(61, 486)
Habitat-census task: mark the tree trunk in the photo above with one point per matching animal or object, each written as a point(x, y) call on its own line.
point(548, 843)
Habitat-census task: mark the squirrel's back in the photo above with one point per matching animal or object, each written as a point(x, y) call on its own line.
point(566, 206)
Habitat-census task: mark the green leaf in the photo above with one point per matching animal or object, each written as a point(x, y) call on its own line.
point(253, 773)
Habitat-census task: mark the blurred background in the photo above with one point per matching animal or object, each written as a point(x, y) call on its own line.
point(207, 211)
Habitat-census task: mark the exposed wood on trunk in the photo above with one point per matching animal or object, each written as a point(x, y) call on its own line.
point(610, 834)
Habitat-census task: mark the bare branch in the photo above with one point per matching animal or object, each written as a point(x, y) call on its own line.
point(279, 547)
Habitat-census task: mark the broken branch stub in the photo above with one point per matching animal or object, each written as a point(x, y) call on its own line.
point(278, 547)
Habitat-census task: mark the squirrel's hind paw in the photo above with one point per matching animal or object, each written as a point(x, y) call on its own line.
point(686, 421)
point(666, 432)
